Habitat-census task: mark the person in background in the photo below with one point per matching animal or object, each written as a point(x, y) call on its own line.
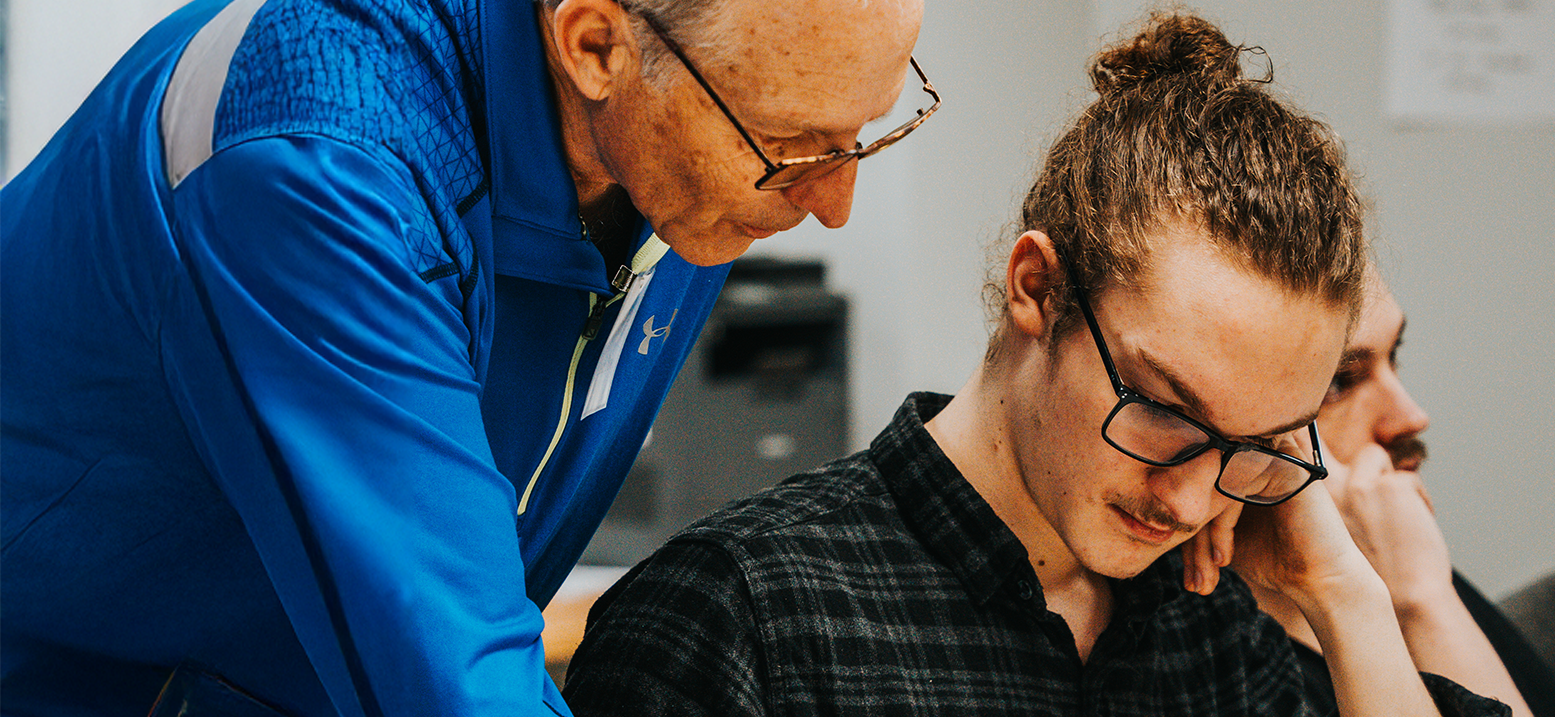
point(332, 328)
point(1189, 265)
point(1372, 425)
point(1531, 608)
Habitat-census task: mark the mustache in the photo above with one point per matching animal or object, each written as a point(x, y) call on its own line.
point(1152, 512)
point(1409, 450)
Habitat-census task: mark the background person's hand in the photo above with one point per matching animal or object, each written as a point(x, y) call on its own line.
point(1389, 515)
point(1299, 548)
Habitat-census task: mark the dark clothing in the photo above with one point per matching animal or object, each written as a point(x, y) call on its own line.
point(883, 584)
point(1532, 676)
point(1531, 612)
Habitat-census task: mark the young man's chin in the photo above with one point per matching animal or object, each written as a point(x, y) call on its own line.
point(1125, 558)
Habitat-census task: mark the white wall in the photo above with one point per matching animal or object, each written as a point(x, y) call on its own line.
point(57, 50)
point(1464, 217)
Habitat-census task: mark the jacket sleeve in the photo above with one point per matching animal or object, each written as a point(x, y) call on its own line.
point(337, 407)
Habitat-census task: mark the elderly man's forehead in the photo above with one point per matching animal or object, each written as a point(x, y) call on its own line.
point(818, 11)
point(787, 57)
point(797, 30)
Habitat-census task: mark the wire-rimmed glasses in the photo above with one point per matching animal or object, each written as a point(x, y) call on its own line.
point(788, 172)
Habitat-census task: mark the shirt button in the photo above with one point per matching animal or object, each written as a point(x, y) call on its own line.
point(1023, 589)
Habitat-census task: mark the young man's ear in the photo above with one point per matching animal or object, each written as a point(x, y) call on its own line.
point(1034, 273)
point(594, 44)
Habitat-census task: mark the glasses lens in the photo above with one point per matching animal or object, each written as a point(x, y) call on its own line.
point(811, 168)
point(1260, 477)
point(904, 117)
point(1153, 435)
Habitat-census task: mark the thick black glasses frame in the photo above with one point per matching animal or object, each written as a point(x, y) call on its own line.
point(859, 151)
point(1227, 448)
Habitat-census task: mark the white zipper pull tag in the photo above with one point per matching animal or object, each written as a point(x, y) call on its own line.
point(633, 284)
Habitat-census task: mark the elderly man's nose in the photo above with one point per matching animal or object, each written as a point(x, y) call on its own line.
point(829, 197)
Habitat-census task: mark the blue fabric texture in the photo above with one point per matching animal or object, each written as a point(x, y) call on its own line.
point(276, 423)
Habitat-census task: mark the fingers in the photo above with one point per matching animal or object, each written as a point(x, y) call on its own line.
point(1373, 480)
point(1338, 471)
point(1367, 466)
point(1425, 495)
point(1209, 550)
point(1222, 532)
point(1197, 567)
point(1370, 460)
point(1390, 518)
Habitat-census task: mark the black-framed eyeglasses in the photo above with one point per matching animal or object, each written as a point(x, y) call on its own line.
point(788, 172)
point(1161, 436)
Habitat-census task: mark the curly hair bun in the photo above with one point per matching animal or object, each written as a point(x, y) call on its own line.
point(1170, 45)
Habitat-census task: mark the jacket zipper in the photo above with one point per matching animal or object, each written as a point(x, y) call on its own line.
point(646, 258)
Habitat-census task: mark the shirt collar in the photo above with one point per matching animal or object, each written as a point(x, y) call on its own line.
point(938, 504)
point(959, 528)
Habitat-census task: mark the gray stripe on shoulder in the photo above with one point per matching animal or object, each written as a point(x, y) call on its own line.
point(189, 106)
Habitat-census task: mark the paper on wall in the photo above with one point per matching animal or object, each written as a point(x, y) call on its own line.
point(1476, 62)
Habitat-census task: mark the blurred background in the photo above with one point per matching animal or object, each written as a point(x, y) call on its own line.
point(1447, 108)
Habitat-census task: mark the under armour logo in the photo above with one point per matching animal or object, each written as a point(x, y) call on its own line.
point(650, 333)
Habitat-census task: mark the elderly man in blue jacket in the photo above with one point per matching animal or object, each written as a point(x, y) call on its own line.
point(331, 329)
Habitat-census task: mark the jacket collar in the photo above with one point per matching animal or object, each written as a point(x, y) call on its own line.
point(536, 233)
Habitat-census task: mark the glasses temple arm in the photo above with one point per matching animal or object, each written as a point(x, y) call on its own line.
point(1317, 452)
point(1090, 320)
point(674, 48)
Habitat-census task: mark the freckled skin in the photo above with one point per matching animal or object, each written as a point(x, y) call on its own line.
point(800, 87)
point(1223, 330)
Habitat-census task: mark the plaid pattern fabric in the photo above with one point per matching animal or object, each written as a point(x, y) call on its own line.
point(883, 584)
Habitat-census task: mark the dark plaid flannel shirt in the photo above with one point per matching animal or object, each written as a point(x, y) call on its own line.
point(883, 584)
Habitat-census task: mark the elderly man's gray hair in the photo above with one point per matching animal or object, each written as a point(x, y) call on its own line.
point(691, 23)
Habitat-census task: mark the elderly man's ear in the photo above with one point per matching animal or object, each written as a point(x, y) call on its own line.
point(1034, 274)
point(595, 45)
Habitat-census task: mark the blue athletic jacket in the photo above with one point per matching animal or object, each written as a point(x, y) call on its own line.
point(309, 377)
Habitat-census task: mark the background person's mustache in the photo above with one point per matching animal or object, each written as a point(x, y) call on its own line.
point(1407, 451)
